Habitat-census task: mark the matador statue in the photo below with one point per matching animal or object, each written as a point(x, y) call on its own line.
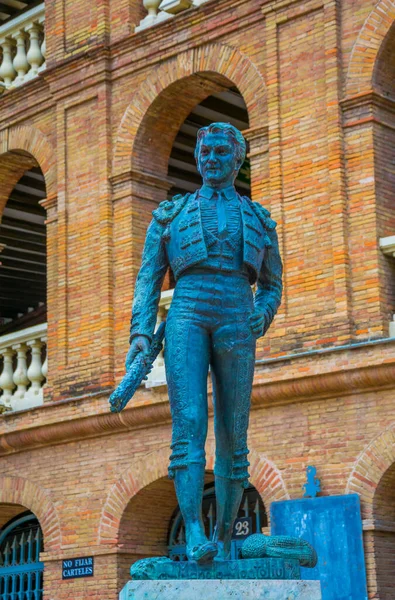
point(218, 245)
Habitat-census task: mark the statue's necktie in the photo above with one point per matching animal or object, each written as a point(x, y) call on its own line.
point(221, 212)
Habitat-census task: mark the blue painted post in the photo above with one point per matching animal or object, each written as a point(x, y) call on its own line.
point(29, 586)
point(257, 517)
point(14, 547)
point(22, 545)
point(37, 539)
point(29, 547)
point(13, 589)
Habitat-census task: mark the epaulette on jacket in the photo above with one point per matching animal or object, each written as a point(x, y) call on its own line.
point(169, 209)
point(263, 215)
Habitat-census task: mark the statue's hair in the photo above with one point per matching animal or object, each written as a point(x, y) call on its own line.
point(227, 129)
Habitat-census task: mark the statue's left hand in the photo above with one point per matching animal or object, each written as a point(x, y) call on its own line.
point(259, 322)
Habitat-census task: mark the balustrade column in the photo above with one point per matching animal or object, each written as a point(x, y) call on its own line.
point(34, 372)
point(44, 52)
point(157, 377)
point(20, 376)
point(6, 378)
point(7, 71)
point(44, 369)
point(160, 361)
point(34, 56)
point(154, 15)
point(20, 63)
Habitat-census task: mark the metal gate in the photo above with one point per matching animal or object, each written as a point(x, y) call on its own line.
point(251, 518)
point(21, 572)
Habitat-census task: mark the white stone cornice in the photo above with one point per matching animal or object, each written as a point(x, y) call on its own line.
point(387, 245)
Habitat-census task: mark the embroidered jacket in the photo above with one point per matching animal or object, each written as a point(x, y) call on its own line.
point(175, 238)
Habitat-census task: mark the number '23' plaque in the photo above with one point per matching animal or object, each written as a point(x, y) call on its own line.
point(242, 528)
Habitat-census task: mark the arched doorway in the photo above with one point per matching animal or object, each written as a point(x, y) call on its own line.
point(384, 534)
point(250, 519)
point(21, 572)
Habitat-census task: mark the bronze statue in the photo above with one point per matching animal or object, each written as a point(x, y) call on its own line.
point(217, 244)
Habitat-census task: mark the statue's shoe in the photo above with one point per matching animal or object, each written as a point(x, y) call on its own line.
point(202, 553)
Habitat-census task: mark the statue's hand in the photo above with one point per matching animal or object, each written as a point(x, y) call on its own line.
point(140, 343)
point(259, 322)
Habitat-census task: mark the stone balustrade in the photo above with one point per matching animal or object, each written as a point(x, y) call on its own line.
point(22, 45)
point(23, 368)
point(157, 377)
point(161, 10)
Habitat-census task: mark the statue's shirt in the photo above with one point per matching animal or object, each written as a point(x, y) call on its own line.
point(220, 211)
point(222, 229)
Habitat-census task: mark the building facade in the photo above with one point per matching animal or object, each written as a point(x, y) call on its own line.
point(99, 108)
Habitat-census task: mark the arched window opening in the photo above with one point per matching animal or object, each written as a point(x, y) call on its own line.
point(23, 256)
point(21, 572)
point(227, 107)
point(250, 519)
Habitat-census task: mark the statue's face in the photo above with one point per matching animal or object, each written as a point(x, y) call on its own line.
point(217, 162)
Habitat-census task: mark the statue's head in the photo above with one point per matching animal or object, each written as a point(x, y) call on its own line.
point(220, 152)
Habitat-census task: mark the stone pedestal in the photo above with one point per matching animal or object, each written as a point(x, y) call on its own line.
point(219, 589)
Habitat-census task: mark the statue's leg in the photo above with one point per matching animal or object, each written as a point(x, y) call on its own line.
point(187, 362)
point(233, 363)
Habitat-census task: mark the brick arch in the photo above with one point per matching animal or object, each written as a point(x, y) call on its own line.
point(367, 46)
point(370, 467)
point(222, 64)
point(31, 140)
point(142, 472)
point(17, 490)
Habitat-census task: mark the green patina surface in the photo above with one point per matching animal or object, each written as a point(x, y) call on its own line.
point(258, 568)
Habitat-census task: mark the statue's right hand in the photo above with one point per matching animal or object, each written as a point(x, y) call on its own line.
point(140, 343)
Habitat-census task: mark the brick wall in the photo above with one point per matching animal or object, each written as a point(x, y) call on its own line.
point(317, 80)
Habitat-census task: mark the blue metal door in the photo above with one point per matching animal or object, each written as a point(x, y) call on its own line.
point(332, 524)
point(21, 572)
